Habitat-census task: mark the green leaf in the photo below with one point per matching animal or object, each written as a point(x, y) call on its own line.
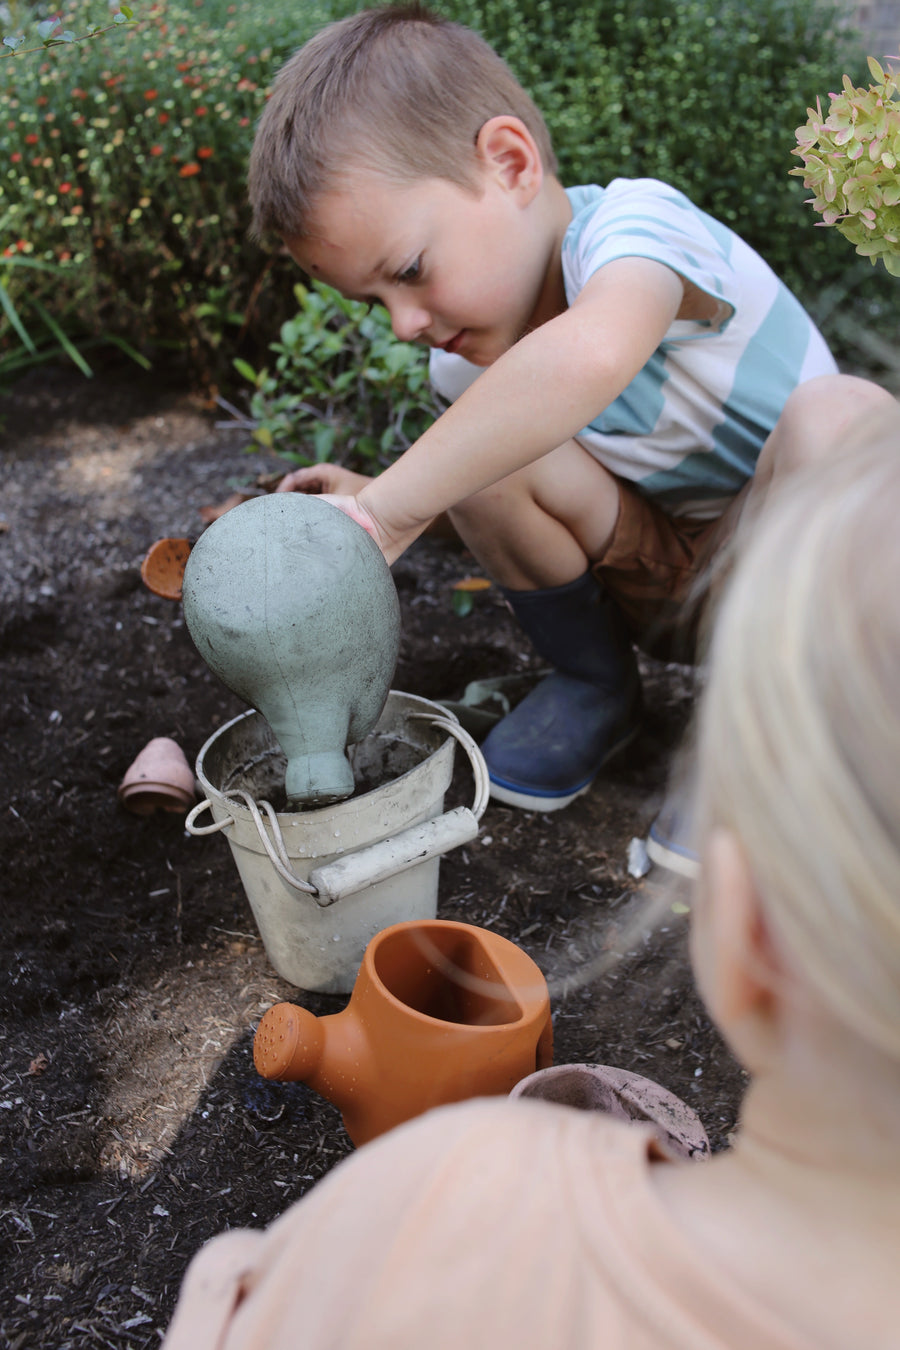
point(65, 342)
point(11, 313)
point(462, 603)
point(244, 368)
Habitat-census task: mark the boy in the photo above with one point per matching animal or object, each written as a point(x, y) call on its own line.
point(619, 362)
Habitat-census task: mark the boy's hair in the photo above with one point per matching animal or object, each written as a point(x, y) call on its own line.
point(800, 728)
point(398, 90)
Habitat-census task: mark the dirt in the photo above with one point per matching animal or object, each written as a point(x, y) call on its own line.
point(133, 1124)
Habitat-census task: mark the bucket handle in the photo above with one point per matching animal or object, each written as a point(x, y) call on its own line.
point(377, 862)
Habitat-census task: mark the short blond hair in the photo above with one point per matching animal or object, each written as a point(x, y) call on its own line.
point(799, 729)
point(399, 90)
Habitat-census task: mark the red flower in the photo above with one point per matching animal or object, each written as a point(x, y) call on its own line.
point(188, 170)
point(77, 120)
point(150, 94)
point(64, 188)
point(15, 157)
point(156, 149)
point(183, 65)
point(41, 100)
point(244, 122)
point(163, 118)
point(205, 152)
point(21, 245)
point(199, 112)
point(31, 138)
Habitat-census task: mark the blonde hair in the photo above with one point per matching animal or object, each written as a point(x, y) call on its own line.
point(799, 730)
point(398, 90)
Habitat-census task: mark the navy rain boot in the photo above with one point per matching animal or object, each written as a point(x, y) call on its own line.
point(550, 748)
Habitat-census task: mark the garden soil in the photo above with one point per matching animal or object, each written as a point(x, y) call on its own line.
point(133, 1124)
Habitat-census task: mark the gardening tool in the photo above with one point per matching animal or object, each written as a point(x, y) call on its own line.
point(293, 606)
point(321, 883)
point(440, 1011)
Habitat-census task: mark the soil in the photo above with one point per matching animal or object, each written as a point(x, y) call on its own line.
point(133, 1124)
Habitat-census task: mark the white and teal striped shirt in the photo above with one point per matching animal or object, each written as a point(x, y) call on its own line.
point(690, 425)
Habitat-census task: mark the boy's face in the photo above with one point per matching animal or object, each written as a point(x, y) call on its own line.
point(454, 270)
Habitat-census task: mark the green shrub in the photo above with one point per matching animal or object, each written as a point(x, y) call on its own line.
point(125, 166)
point(342, 388)
point(125, 157)
point(705, 94)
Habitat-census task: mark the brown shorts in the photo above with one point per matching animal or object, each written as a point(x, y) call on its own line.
point(654, 568)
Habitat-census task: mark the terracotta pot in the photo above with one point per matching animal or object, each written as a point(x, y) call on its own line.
point(440, 1011)
point(162, 570)
point(627, 1096)
point(160, 779)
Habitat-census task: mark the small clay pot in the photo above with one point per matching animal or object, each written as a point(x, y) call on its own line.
point(162, 570)
point(160, 779)
point(624, 1095)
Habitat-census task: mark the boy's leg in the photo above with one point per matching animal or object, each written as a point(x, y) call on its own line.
point(536, 533)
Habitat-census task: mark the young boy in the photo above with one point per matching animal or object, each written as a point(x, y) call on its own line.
point(622, 366)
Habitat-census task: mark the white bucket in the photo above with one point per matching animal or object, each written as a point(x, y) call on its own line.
point(322, 883)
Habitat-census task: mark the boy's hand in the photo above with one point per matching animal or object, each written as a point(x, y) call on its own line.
point(323, 478)
point(352, 507)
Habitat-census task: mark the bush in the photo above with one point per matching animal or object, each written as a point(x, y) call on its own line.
point(342, 388)
point(703, 94)
point(123, 202)
point(126, 164)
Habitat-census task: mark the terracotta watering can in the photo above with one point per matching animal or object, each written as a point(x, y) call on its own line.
point(440, 1011)
point(293, 606)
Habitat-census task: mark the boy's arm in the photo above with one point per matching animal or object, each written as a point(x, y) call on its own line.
point(532, 399)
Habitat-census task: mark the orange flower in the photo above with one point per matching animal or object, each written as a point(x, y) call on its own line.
point(150, 94)
point(31, 138)
point(156, 149)
point(188, 170)
point(183, 65)
point(9, 250)
point(205, 152)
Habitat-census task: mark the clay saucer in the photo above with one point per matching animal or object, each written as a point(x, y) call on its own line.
point(162, 570)
point(160, 779)
point(624, 1095)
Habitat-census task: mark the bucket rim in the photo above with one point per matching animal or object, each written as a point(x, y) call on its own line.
point(319, 813)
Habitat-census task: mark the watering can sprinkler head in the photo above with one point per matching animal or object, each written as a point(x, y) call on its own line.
point(292, 605)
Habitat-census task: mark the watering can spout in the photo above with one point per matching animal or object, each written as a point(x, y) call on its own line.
point(288, 1044)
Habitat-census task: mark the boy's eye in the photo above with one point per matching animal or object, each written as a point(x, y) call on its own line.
point(410, 273)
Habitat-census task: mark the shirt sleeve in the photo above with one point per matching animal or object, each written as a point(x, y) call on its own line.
point(646, 218)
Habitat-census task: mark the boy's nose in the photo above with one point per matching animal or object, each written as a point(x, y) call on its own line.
point(408, 321)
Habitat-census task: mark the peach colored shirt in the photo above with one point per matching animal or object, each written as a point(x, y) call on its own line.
point(490, 1224)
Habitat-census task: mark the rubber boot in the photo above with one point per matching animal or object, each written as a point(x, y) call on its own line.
point(549, 749)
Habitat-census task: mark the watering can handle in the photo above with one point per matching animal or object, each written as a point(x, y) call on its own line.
point(377, 862)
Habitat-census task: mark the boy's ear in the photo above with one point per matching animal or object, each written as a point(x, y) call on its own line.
point(508, 151)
